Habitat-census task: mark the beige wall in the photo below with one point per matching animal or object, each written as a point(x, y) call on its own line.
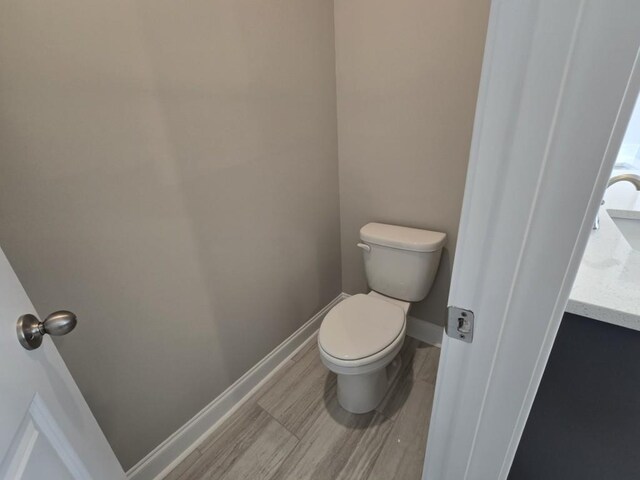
point(407, 79)
point(169, 172)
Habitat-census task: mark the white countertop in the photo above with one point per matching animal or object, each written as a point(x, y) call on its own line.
point(607, 287)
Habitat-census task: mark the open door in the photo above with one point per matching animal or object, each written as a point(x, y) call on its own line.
point(46, 428)
point(558, 85)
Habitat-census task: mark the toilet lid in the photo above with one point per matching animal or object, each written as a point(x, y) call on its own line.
point(359, 327)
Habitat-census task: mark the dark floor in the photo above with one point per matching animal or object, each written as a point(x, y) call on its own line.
point(293, 427)
point(585, 421)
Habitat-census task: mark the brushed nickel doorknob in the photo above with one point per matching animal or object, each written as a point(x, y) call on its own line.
point(30, 330)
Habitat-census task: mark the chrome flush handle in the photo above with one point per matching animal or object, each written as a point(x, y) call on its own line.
point(30, 330)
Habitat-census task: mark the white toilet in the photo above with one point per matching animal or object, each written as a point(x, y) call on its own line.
point(360, 338)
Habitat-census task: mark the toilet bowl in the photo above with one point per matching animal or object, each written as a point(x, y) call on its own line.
point(360, 338)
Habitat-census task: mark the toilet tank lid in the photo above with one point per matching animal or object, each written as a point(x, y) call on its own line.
point(404, 238)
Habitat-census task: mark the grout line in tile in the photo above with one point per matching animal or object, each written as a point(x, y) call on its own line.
point(277, 421)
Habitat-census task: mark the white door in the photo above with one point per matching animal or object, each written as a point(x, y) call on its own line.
point(558, 84)
point(46, 428)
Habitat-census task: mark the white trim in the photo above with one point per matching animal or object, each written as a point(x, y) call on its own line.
point(183, 441)
point(615, 140)
point(47, 425)
point(39, 421)
point(424, 331)
point(555, 79)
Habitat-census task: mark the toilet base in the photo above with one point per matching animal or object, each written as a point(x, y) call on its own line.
point(362, 393)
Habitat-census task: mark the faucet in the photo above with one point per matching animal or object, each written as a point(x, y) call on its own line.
point(625, 177)
point(628, 177)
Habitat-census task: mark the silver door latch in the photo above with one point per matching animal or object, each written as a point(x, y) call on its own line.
point(460, 323)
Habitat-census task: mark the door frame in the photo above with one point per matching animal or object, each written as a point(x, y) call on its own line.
point(558, 85)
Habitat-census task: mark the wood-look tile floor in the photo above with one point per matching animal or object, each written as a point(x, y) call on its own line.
point(294, 429)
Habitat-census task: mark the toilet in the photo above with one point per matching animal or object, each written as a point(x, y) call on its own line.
point(360, 338)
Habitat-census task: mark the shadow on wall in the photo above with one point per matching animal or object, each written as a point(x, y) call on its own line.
point(434, 307)
point(253, 168)
point(407, 82)
point(198, 226)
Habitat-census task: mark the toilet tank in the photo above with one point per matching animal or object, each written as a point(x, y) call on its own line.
point(401, 262)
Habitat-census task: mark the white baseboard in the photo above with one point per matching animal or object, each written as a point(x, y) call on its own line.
point(183, 441)
point(424, 331)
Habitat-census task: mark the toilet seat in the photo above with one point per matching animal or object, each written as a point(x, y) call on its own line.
point(360, 331)
point(359, 341)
